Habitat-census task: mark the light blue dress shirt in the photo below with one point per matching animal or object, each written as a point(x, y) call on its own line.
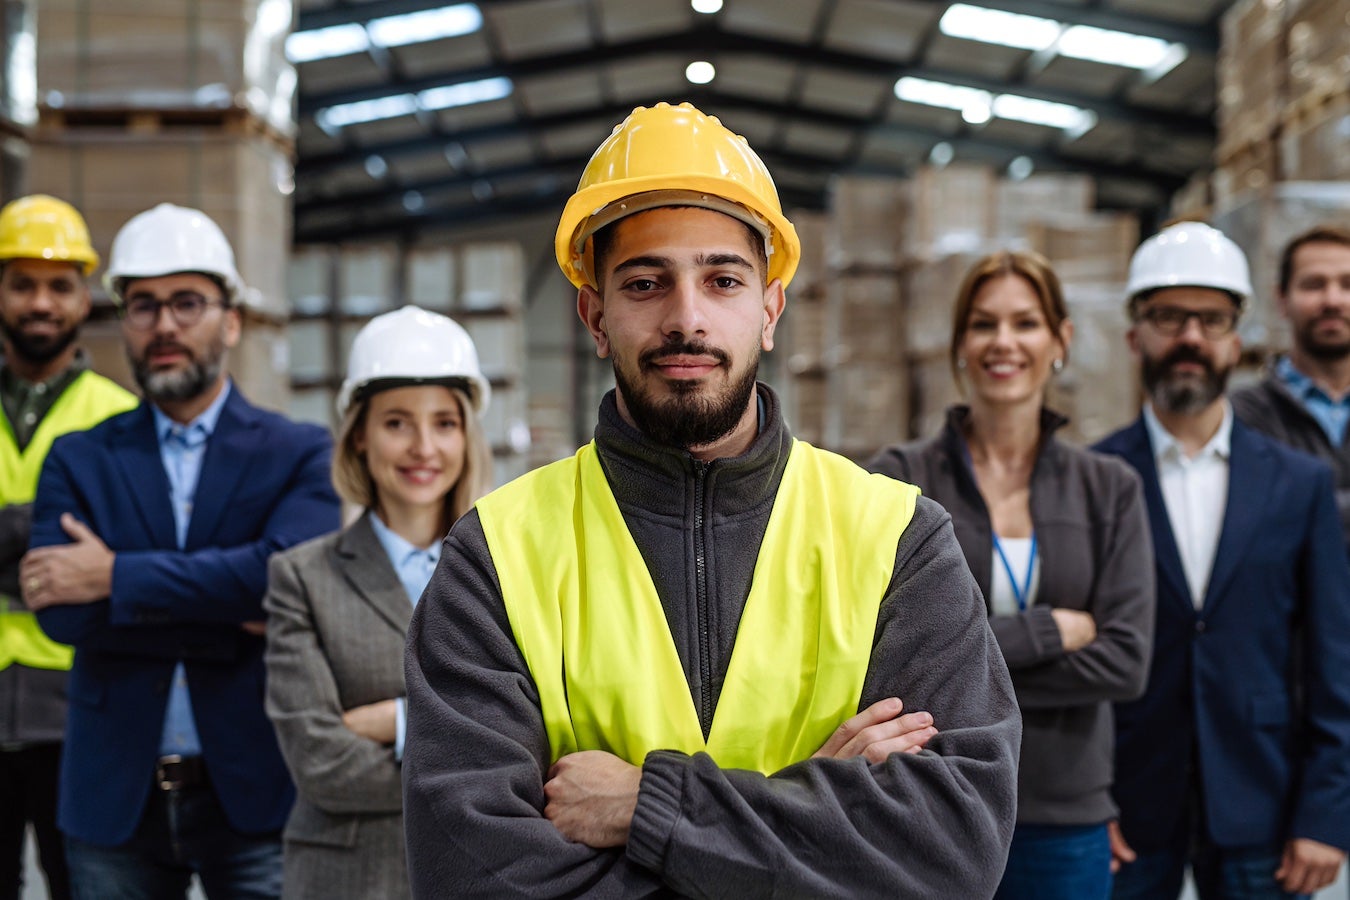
point(1332, 415)
point(414, 567)
point(182, 449)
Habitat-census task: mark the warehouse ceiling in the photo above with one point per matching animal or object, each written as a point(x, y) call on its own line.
point(406, 125)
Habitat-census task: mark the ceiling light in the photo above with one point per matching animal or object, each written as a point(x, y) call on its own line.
point(939, 93)
point(700, 72)
point(332, 118)
point(1020, 168)
point(427, 25)
point(321, 43)
point(941, 154)
point(1115, 48)
point(976, 113)
point(413, 201)
point(707, 7)
point(376, 167)
point(389, 31)
point(1043, 112)
point(992, 26)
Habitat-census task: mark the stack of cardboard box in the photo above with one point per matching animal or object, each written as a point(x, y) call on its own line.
point(180, 101)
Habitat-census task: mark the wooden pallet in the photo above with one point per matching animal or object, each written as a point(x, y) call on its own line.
point(53, 122)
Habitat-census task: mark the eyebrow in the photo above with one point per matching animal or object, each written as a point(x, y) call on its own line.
point(703, 259)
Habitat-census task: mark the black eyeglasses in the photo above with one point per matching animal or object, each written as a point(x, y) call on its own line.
point(1171, 320)
point(186, 307)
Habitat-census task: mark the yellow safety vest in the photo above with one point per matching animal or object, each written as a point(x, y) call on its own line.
point(588, 620)
point(88, 400)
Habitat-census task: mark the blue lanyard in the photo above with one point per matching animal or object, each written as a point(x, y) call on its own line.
point(1020, 594)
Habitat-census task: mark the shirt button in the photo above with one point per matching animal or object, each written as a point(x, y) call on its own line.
point(40, 389)
point(29, 418)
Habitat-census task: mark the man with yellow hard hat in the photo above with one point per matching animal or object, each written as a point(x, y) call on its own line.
point(700, 658)
point(46, 390)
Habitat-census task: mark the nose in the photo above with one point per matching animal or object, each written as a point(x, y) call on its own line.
point(684, 313)
point(44, 298)
point(1191, 329)
point(422, 446)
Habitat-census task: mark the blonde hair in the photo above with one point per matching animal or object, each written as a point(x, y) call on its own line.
point(351, 475)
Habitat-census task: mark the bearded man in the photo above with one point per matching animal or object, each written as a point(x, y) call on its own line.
point(46, 389)
point(1233, 761)
point(151, 535)
point(1304, 400)
point(700, 658)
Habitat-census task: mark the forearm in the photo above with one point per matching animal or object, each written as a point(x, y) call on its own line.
point(477, 753)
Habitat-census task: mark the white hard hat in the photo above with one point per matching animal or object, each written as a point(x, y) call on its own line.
point(413, 346)
point(168, 240)
point(1190, 254)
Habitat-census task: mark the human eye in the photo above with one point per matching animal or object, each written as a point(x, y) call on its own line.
point(641, 284)
point(141, 307)
point(1169, 317)
point(187, 303)
point(449, 423)
point(982, 324)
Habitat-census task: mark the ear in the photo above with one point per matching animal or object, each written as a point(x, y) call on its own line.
point(591, 310)
point(1065, 335)
point(775, 299)
point(1132, 340)
point(86, 303)
point(234, 326)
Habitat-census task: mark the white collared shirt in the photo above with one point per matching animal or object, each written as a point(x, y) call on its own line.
point(1195, 492)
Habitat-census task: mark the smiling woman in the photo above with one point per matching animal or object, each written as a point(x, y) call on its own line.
point(1057, 540)
point(410, 453)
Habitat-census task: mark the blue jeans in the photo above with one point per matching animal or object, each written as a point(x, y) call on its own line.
point(1221, 873)
point(181, 832)
point(1057, 862)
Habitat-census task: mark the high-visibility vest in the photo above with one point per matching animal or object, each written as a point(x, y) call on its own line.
point(88, 400)
point(587, 618)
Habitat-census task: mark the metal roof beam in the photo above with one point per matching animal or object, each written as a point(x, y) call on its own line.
point(705, 40)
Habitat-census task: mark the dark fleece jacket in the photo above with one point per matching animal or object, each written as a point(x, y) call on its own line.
point(931, 825)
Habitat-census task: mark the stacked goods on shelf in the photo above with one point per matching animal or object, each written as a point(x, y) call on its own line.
point(1284, 88)
point(869, 329)
point(16, 103)
point(335, 290)
point(179, 101)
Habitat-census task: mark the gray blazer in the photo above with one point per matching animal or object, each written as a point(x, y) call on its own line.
point(337, 616)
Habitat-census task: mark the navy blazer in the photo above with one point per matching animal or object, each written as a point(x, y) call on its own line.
point(1253, 687)
point(264, 486)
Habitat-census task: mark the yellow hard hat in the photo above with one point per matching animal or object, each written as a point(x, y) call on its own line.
point(43, 227)
point(673, 156)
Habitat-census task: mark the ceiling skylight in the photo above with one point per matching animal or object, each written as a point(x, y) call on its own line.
point(444, 97)
point(390, 31)
point(978, 107)
point(1103, 45)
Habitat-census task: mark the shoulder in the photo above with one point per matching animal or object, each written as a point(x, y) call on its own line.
point(91, 441)
point(905, 461)
point(1101, 470)
point(311, 554)
point(1290, 458)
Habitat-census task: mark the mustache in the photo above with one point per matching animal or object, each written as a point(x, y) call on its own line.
point(1185, 354)
point(161, 346)
point(648, 358)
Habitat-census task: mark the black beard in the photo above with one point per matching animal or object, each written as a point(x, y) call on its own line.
point(1185, 395)
point(1319, 349)
point(40, 349)
point(688, 419)
point(180, 384)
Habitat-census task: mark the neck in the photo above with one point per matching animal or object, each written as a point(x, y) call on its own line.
point(422, 525)
point(1006, 434)
point(1331, 375)
point(36, 372)
point(1193, 430)
point(184, 411)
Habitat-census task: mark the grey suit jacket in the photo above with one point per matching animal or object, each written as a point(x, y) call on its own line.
point(336, 623)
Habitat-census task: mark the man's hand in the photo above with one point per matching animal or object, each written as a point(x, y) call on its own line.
point(376, 721)
point(591, 796)
point(1308, 865)
point(1077, 629)
point(879, 731)
point(1121, 852)
point(78, 572)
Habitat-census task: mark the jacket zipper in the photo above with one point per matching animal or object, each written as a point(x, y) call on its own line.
point(705, 712)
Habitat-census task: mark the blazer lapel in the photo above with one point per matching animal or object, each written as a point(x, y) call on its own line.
point(1138, 452)
point(366, 566)
point(229, 451)
point(137, 453)
point(1249, 487)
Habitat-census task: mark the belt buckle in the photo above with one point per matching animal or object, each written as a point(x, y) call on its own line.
point(165, 775)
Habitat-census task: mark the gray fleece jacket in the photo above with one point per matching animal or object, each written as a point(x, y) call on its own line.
point(1096, 556)
point(933, 825)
